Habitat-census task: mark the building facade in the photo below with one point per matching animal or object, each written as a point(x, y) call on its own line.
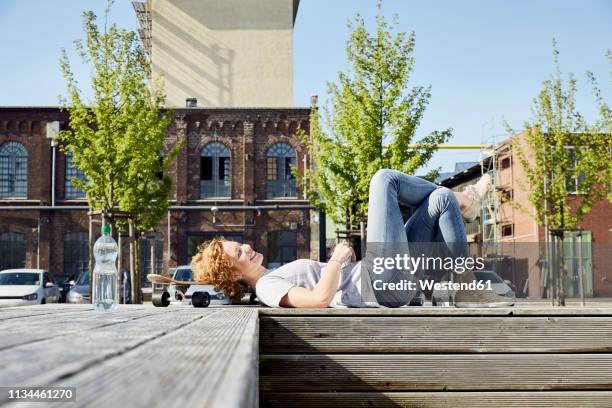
point(232, 178)
point(225, 53)
point(507, 231)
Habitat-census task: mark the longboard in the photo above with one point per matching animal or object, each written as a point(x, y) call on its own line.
point(162, 299)
point(155, 278)
point(198, 299)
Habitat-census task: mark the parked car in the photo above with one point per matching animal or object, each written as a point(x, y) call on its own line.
point(498, 285)
point(183, 293)
point(79, 293)
point(65, 283)
point(20, 287)
point(418, 299)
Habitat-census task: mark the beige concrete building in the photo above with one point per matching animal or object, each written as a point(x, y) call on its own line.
point(225, 53)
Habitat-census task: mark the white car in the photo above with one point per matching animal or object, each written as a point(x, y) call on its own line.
point(19, 287)
point(184, 293)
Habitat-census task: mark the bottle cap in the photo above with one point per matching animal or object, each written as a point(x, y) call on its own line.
point(106, 229)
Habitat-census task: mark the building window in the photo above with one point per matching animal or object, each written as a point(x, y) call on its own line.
point(282, 248)
point(72, 172)
point(76, 253)
point(12, 250)
point(280, 182)
point(145, 259)
point(507, 230)
point(505, 163)
point(13, 170)
point(506, 195)
point(572, 183)
point(215, 171)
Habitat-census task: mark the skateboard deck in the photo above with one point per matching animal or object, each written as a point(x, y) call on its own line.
point(155, 278)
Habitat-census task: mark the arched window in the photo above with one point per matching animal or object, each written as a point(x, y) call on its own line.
point(215, 171)
point(72, 172)
point(13, 170)
point(12, 250)
point(280, 183)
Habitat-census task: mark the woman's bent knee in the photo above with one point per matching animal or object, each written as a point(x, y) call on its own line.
point(382, 177)
point(442, 195)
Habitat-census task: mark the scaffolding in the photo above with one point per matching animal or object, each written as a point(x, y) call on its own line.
point(143, 13)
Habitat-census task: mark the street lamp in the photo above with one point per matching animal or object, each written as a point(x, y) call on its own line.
point(52, 134)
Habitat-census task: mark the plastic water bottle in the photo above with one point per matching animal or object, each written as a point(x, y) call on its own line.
point(105, 272)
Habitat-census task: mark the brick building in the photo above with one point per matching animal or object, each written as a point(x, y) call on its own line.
point(512, 235)
point(232, 178)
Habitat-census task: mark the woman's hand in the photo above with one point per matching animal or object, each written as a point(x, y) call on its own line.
point(323, 292)
point(343, 253)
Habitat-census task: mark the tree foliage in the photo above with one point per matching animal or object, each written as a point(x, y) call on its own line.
point(117, 137)
point(567, 162)
point(371, 120)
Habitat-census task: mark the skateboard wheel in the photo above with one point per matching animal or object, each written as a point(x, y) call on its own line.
point(200, 299)
point(161, 299)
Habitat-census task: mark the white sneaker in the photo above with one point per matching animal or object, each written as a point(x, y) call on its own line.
point(478, 191)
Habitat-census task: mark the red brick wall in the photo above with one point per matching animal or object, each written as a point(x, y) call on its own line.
point(248, 131)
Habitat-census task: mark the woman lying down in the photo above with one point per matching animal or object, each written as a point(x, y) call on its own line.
point(305, 283)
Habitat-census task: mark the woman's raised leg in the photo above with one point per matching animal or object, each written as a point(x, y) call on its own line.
point(438, 219)
point(386, 237)
point(389, 188)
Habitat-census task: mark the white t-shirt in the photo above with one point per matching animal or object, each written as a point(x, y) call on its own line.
point(305, 273)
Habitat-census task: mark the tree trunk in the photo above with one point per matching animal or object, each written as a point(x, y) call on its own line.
point(120, 288)
point(153, 253)
point(134, 295)
point(561, 272)
point(362, 236)
point(91, 256)
point(137, 268)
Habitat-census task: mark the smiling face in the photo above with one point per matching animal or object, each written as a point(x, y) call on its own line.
point(243, 257)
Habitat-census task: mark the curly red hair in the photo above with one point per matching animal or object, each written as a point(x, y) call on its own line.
point(211, 265)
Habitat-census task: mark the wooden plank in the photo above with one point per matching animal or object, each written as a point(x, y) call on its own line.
point(556, 399)
point(19, 315)
point(37, 328)
point(530, 310)
point(460, 372)
point(209, 362)
point(437, 334)
point(44, 362)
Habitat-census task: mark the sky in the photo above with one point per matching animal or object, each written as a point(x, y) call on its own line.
point(484, 59)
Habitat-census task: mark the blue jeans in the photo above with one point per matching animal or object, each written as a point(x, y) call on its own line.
point(435, 228)
point(437, 217)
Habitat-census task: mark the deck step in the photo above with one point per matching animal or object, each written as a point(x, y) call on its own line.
point(562, 399)
point(450, 334)
point(435, 358)
point(435, 372)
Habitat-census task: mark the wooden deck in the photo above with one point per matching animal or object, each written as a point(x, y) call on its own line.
point(436, 357)
point(141, 356)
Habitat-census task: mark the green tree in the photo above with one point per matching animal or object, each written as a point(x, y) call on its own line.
point(566, 161)
point(370, 124)
point(116, 138)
